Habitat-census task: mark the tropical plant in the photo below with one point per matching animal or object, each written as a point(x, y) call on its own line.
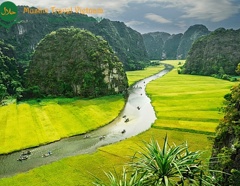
point(126, 180)
point(166, 166)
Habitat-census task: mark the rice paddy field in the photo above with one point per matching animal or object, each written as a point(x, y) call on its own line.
point(33, 123)
point(134, 76)
point(187, 102)
point(187, 109)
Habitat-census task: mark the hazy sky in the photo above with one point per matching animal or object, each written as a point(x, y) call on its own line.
point(173, 16)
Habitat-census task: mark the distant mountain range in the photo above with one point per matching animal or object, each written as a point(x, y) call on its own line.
point(161, 45)
point(25, 35)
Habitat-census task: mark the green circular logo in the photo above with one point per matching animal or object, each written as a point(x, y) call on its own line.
point(8, 11)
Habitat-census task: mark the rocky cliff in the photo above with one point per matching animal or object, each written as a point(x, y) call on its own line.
point(160, 45)
point(188, 38)
point(154, 43)
point(216, 54)
point(126, 43)
point(75, 62)
point(31, 28)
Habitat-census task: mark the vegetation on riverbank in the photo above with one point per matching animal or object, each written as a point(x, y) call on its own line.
point(169, 94)
point(33, 123)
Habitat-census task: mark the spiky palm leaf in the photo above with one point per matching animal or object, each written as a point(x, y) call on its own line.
point(166, 165)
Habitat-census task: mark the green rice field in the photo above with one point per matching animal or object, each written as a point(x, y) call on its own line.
point(34, 123)
point(134, 76)
point(187, 109)
point(187, 101)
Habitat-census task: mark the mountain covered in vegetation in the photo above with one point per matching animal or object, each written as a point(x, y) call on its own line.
point(10, 81)
point(226, 149)
point(75, 62)
point(215, 54)
point(154, 43)
point(31, 28)
point(161, 45)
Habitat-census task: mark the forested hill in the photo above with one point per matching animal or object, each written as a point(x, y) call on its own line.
point(31, 28)
point(10, 81)
point(160, 45)
point(75, 62)
point(217, 53)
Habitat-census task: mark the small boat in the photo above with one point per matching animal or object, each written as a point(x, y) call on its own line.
point(127, 120)
point(21, 158)
point(26, 153)
point(123, 131)
point(102, 137)
point(47, 154)
point(86, 136)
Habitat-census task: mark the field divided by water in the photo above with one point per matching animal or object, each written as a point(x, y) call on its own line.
point(32, 123)
point(187, 109)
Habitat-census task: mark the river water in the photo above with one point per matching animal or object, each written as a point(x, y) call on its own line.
point(138, 110)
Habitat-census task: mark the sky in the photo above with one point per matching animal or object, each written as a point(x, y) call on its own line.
point(172, 16)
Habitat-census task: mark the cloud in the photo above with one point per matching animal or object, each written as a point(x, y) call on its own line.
point(212, 10)
point(182, 25)
point(215, 10)
point(134, 23)
point(110, 8)
point(157, 18)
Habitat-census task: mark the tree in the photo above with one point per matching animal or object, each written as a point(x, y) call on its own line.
point(238, 69)
point(3, 92)
point(226, 149)
point(166, 166)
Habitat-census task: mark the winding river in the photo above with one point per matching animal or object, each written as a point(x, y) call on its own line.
point(137, 116)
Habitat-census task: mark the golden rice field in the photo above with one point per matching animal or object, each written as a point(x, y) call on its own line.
point(31, 123)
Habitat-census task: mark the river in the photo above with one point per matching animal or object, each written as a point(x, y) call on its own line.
point(137, 116)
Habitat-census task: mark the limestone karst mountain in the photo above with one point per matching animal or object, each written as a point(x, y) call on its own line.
point(75, 62)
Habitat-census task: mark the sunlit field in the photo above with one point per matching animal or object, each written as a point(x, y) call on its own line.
point(134, 76)
point(33, 123)
point(188, 101)
point(187, 109)
point(79, 170)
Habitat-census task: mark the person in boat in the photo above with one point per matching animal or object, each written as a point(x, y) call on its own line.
point(127, 120)
point(26, 153)
point(123, 131)
point(86, 136)
point(138, 107)
point(47, 154)
point(102, 137)
point(21, 158)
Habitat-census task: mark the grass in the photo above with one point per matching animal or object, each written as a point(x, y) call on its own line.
point(134, 76)
point(33, 123)
point(187, 110)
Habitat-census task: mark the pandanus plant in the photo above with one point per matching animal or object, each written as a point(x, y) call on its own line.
point(167, 166)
